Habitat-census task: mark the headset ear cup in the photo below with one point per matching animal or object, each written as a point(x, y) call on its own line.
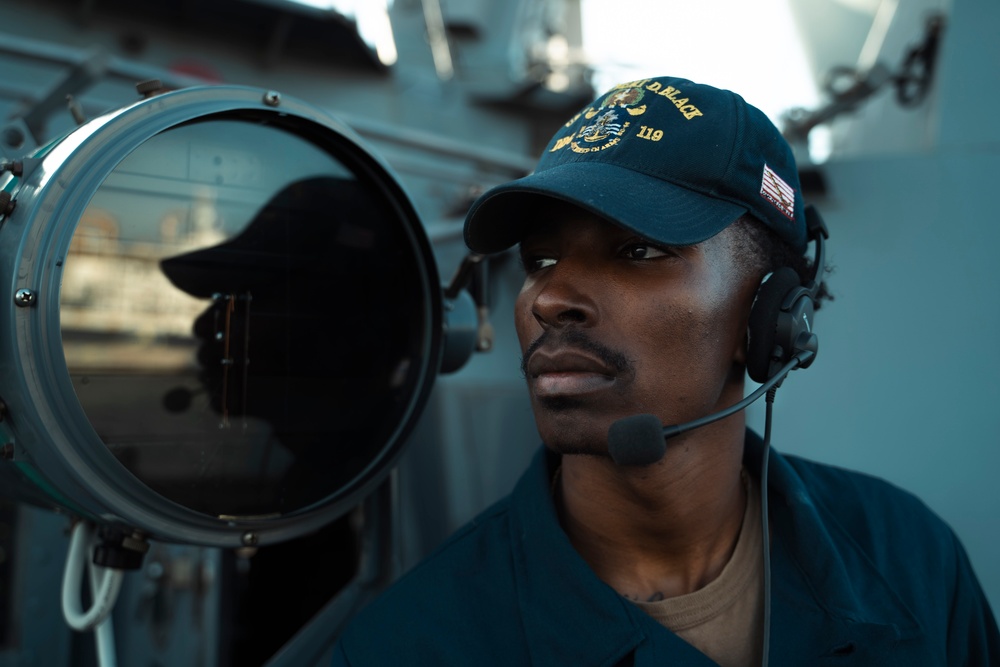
point(763, 323)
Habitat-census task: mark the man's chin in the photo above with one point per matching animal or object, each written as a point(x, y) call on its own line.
point(572, 434)
point(574, 425)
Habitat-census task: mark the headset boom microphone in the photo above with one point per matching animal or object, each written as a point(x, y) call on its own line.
point(639, 440)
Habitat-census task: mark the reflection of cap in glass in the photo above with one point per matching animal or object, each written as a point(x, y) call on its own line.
point(672, 160)
point(292, 232)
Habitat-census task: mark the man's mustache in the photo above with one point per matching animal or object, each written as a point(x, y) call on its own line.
point(579, 339)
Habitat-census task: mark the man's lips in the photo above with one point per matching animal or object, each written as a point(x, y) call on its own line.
point(566, 372)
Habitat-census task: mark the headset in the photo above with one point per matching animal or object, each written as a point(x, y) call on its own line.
point(781, 318)
point(781, 338)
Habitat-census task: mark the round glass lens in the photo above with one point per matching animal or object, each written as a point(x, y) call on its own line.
point(243, 318)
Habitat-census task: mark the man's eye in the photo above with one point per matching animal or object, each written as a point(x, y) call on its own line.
point(532, 264)
point(642, 251)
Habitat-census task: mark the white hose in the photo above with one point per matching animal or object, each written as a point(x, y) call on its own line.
point(104, 633)
point(105, 583)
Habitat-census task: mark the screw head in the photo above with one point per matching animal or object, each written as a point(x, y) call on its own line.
point(272, 98)
point(250, 538)
point(149, 87)
point(24, 297)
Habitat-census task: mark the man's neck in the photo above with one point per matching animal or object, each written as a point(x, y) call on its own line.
point(660, 531)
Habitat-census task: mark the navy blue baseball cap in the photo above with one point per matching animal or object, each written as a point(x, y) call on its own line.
point(674, 161)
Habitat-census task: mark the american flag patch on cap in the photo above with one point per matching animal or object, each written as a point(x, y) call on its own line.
point(779, 193)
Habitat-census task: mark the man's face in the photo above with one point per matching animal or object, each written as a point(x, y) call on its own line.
point(611, 325)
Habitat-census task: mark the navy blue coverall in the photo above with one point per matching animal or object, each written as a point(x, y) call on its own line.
point(862, 574)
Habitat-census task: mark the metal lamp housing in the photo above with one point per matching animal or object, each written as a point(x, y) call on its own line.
point(284, 241)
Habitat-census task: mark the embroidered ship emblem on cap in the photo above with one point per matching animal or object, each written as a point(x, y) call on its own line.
point(604, 126)
point(779, 193)
point(606, 131)
point(600, 129)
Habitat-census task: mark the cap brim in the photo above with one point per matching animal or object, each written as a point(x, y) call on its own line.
point(651, 207)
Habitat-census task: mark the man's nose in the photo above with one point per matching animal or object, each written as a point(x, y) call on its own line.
point(565, 295)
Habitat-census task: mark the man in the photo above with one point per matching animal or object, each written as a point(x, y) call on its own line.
point(645, 234)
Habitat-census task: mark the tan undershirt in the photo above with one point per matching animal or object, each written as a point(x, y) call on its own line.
point(725, 620)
